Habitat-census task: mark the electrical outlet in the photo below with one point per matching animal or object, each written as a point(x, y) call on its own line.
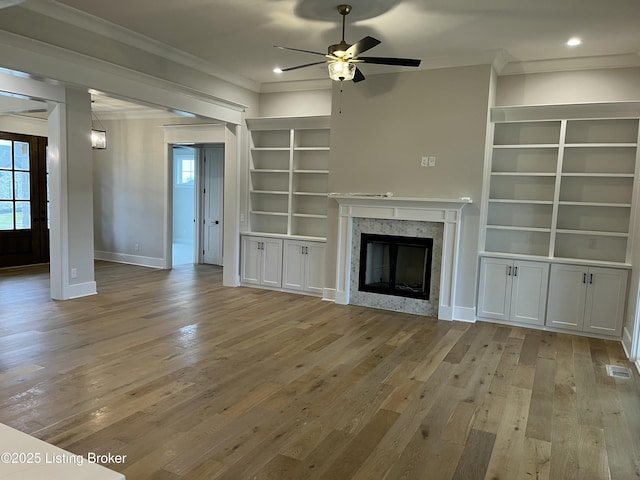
point(74, 273)
point(137, 247)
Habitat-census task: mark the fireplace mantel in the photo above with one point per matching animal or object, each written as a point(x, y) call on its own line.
point(444, 210)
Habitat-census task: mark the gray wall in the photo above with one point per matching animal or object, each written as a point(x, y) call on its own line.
point(389, 122)
point(296, 104)
point(129, 181)
point(607, 85)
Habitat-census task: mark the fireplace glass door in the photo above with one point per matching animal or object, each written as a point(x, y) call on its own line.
point(395, 265)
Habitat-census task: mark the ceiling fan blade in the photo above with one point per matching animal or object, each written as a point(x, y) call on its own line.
point(300, 66)
point(358, 77)
point(299, 50)
point(401, 62)
point(362, 46)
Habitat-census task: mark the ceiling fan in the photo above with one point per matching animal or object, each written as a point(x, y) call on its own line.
point(343, 57)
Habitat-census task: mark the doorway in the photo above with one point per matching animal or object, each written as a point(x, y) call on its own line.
point(184, 211)
point(198, 196)
point(24, 200)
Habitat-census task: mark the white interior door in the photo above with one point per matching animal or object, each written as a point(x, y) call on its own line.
point(213, 207)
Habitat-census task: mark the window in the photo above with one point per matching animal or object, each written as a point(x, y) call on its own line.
point(185, 165)
point(15, 185)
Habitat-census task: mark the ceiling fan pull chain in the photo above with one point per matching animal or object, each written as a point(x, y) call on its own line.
point(340, 101)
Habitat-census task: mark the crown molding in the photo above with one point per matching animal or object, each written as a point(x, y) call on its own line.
point(77, 18)
point(572, 64)
point(52, 63)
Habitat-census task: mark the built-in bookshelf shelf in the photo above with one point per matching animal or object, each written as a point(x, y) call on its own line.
point(562, 188)
point(288, 176)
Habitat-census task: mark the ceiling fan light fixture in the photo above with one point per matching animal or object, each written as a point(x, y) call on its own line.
point(340, 71)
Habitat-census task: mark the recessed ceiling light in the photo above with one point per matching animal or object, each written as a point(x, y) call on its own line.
point(277, 70)
point(574, 42)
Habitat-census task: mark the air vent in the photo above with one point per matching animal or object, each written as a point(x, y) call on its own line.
point(618, 372)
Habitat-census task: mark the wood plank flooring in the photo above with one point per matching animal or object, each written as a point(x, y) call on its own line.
point(193, 380)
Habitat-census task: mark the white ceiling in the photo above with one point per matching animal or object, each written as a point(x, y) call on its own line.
point(237, 36)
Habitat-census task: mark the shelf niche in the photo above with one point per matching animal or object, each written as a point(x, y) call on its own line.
point(561, 188)
point(288, 176)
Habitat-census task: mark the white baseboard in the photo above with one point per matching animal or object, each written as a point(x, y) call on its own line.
point(341, 298)
point(81, 290)
point(627, 341)
point(139, 260)
point(329, 294)
point(464, 314)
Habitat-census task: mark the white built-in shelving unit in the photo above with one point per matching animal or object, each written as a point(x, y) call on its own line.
point(287, 186)
point(288, 176)
point(561, 191)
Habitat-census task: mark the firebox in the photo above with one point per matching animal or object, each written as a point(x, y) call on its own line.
point(395, 265)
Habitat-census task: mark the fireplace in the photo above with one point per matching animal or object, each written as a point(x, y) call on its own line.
point(436, 218)
point(395, 265)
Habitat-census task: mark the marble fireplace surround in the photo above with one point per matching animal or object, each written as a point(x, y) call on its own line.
point(445, 211)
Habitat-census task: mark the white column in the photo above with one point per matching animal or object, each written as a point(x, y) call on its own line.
point(71, 195)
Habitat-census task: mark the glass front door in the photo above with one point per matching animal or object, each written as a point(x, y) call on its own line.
point(24, 211)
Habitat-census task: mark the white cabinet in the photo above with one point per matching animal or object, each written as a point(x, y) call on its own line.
point(513, 290)
point(288, 175)
point(587, 299)
point(303, 266)
point(261, 261)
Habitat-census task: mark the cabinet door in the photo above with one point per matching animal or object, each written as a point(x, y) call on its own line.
point(606, 294)
point(293, 265)
point(272, 262)
point(494, 296)
point(314, 272)
point(567, 294)
point(529, 292)
point(251, 260)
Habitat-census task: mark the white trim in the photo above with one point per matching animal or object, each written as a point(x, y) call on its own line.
point(599, 110)
point(21, 86)
point(329, 294)
point(446, 211)
point(624, 60)
point(99, 26)
point(212, 133)
point(23, 54)
point(78, 290)
point(627, 341)
point(464, 314)
point(142, 261)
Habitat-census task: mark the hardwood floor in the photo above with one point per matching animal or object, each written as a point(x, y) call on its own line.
point(192, 380)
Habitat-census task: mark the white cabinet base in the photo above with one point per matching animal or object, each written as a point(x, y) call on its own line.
point(282, 263)
point(587, 299)
point(513, 290)
point(582, 299)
